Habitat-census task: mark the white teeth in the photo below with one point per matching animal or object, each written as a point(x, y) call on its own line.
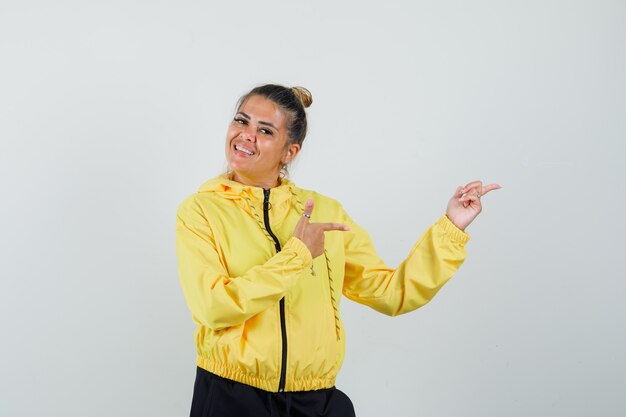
point(239, 148)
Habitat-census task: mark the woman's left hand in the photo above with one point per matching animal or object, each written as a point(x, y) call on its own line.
point(465, 204)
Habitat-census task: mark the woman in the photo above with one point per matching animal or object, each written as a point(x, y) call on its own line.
point(263, 279)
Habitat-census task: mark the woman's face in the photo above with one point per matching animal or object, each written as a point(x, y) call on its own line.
point(256, 143)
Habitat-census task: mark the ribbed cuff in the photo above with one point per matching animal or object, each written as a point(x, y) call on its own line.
point(451, 230)
point(300, 249)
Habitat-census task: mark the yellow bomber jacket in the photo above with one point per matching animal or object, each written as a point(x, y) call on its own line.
point(267, 314)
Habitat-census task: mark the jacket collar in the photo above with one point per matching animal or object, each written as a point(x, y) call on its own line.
point(233, 190)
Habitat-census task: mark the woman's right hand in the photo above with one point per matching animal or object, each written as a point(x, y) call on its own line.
point(312, 234)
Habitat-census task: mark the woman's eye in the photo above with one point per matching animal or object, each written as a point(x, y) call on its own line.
point(267, 132)
point(240, 121)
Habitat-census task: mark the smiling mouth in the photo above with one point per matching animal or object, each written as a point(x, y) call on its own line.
point(244, 150)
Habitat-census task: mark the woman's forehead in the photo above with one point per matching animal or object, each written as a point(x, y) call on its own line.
point(261, 108)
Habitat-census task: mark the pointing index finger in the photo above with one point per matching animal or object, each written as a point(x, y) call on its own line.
point(490, 187)
point(334, 226)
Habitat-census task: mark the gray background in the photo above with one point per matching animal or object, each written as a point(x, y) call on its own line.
point(111, 113)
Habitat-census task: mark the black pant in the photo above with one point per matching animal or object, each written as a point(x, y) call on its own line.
point(214, 396)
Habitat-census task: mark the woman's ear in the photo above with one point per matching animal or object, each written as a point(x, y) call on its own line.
point(292, 151)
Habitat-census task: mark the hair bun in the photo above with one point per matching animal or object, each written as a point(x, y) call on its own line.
point(303, 95)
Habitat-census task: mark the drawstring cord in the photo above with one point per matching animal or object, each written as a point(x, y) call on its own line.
point(332, 295)
point(258, 218)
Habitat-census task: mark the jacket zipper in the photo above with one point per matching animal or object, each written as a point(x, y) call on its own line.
point(283, 328)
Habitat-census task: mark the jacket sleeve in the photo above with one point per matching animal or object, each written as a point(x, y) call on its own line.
point(431, 263)
point(217, 300)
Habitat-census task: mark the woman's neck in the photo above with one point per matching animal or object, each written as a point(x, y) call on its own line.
point(264, 183)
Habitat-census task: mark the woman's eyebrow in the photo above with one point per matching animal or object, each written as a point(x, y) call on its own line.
point(261, 122)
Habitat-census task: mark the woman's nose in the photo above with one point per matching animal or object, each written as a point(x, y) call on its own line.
point(249, 134)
